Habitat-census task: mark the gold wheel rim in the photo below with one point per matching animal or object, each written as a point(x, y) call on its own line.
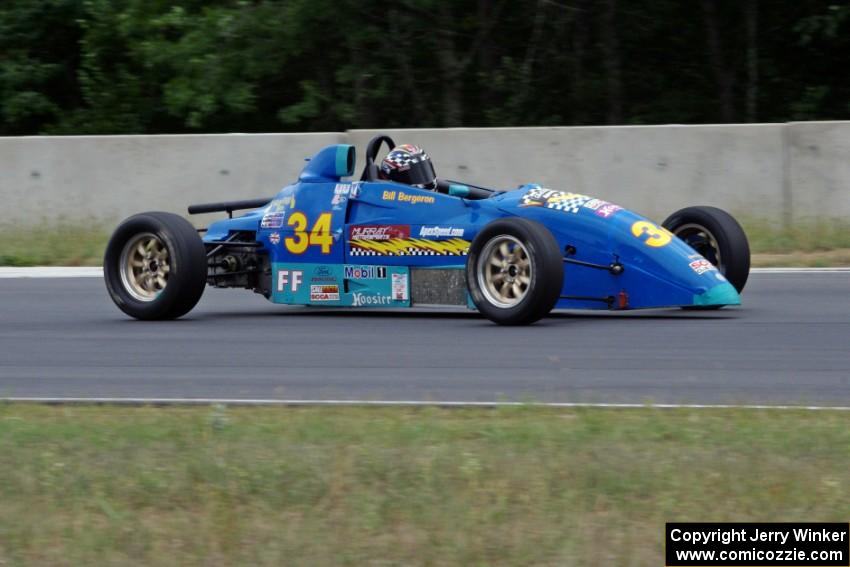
point(145, 267)
point(505, 271)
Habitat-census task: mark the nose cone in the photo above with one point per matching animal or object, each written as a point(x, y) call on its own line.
point(722, 294)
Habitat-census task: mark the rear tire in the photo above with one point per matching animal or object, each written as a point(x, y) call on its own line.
point(514, 271)
point(155, 266)
point(718, 237)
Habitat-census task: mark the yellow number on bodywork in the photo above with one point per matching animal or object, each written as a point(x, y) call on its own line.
point(656, 236)
point(298, 244)
point(320, 235)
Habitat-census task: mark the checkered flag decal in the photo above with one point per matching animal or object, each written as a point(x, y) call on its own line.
point(406, 252)
point(425, 252)
point(364, 252)
point(558, 200)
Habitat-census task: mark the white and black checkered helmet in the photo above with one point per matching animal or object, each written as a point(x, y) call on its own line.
point(410, 165)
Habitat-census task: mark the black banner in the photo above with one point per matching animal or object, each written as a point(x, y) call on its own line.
point(757, 545)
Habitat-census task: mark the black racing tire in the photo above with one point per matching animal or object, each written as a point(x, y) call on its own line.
point(533, 263)
point(146, 250)
point(718, 237)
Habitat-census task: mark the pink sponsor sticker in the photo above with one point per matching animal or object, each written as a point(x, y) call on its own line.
point(607, 210)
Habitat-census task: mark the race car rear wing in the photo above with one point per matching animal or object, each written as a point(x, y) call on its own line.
point(228, 206)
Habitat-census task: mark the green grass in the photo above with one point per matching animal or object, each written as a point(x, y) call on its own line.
point(808, 236)
point(824, 243)
point(54, 244)
point(368, 486)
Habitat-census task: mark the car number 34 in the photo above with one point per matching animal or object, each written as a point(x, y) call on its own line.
point(319, 235)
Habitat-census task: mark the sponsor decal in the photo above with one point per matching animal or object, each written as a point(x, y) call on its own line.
point(363, 299)
point(378, 232)
point(550, 199)
point(272, 220)
point(341, 192)
point(274, 238)
point(410, 198)
point(324, 293)
point(323, 274)
point(280, 205)
point(701, 266)
point(409, 247)
point(365, 273)
point(608, 210)
point(594, 204)
point(400, 287)
point(602, 208)
point(441, 232)
point(289, 280)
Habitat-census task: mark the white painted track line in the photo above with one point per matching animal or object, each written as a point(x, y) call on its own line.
point(51, 272)
point(97, 272)
point(800, 270)
point(395, 403)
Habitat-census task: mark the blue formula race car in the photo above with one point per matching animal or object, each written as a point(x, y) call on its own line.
point(399, 237)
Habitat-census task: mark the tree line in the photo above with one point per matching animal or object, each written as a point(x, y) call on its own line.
point(183, 66)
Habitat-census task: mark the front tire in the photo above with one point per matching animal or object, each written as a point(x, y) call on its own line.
point(718, 237)
point(515, 271)
point(155, 266)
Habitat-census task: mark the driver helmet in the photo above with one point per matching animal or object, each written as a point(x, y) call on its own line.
point(410, 165)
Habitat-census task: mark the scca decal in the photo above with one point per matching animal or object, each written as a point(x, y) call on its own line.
point(324, 293)
point(701, 266)
point(656, 236)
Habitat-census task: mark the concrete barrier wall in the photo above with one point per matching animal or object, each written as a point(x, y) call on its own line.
point(653, 170)
point(107, 178)
point(818, 170)
point(775, 172)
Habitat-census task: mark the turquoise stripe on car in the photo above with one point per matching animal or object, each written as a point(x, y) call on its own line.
point(342, 161)
point(723, 294)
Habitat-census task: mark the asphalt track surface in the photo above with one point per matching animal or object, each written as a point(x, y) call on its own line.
point(788, 344)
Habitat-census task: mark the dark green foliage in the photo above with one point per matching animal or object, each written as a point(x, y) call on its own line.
point(155, 66)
